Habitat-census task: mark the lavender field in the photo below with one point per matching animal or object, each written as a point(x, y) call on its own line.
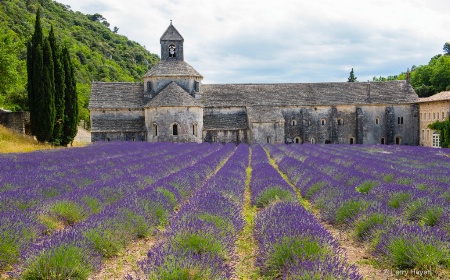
point(226, 212)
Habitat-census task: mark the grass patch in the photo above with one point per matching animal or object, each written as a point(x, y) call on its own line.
point(366, 186)
point(348, 210)
point(388, 178)
point(93, 204)
point(246, 242)
point(270, 195)
point(69, 212)
point(314, 189)
point(178, 269)
point(364, 226)
point(412, 252)
point(168, 194)
point(199, 243)
point(63, 262)
point(12, 142)
point(219, 222)
point(397, 199)
point(290, 249)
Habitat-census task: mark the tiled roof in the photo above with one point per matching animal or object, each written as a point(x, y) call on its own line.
point(116, 95)
point(264, 114)
point(173, 95)
point(308, 94)
point(219, 121)
point(445, 95)
point(172, 68)
point(119, 124)
point(171, 33)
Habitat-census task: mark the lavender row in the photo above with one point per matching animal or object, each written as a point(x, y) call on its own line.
point(199, 243)
point(292, 242)
point(375, 210)
point(266, 184)
point(104, 204)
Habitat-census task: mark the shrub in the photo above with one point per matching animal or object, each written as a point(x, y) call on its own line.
point(93, 204)
point(63, 262)
point(107, 241)
point(366, 186)
point(291, 248)
point(348, 210)
point(272, 194)
point(432, 215)
point(199, 243)
point(365, 225)
point(415, 247)
point(397, 199)
point(69, 212)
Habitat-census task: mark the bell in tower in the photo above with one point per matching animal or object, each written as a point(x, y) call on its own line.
point(171, 44)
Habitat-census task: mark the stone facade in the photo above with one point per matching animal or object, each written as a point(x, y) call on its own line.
point(432, 109)
point(174, 105)
point(17, 121)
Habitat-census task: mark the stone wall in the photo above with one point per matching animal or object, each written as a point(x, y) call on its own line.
point(119, 124)
point(265, 132)
point(17, 121)
point(160, 124)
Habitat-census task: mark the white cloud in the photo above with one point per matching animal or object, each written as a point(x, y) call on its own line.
point(236, 41)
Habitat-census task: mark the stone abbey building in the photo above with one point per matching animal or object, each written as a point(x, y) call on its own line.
point(173, 105)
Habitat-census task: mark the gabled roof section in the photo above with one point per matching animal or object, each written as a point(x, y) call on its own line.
point(116, 95)
point(171, 34)
point(442, 96)
point(218, 121)
point(308, 94)
point(264, 114)
point(173, 96)
point(172, 68)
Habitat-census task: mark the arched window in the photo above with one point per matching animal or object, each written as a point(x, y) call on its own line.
point(172, 51)
point(398, 140)
point(194, 129)
point(149, 86)
point(175, 129)
point(313, 141)
point(382, 141)
point(352, 141)
point(293, 122)
point(323, 121)
point(107, 139)
point(155, 129)
point(340, 121)
point(297, 140)
point(377, 120)
point(133, 139)
point(268, 139)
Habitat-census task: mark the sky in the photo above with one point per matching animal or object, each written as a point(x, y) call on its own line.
point(286, 41)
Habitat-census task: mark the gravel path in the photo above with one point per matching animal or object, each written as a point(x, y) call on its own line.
point(83, 136)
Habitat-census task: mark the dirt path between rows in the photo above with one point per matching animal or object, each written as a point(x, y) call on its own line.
point(126, 263)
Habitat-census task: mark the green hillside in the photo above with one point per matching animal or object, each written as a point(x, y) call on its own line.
point(98, 53)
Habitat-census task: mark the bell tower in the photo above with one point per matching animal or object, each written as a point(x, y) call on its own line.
point(171, 44)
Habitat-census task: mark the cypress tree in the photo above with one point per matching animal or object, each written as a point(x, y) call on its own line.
point(35, 73)
point(70, 126)
point(59, 88)
point(46, 98)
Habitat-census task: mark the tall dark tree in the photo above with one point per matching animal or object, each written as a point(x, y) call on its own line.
point(60, 87)
point(352, 77)
point(46, 99)
point(35, 65)
point(71, 100)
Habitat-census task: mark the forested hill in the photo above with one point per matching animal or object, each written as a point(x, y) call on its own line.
point(98, 53)
point(428, 79)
